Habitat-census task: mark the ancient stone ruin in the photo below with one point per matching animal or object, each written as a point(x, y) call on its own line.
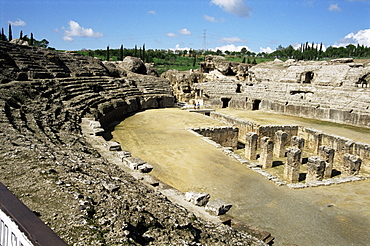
point(335, 90)
point(46, 95)
point(327, 154)
point(47, 163)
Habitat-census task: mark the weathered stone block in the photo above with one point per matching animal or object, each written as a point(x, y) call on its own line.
point(266, 156)
point(292, 165)
point(145, 168)
point(98, 131)
point(95, 124)
point(218, 207)
point(199, 199)
point(280, 140)
point(133, 162)
point(113, 146)
point(251, 145)
point(351, 165)
point(327, 154)
point(123, 154)
point(297, 142)
point(315, 169)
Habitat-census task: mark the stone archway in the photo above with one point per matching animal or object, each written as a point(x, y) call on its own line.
point(256, 104)
point(225, 102)
point(308, 76)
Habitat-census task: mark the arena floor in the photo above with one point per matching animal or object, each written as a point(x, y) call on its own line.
point(334, 215)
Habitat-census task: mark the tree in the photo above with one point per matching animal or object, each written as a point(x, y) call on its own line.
point(21, 35)
point(243, 60)
point(3, 37)
point(143, 56)
point(32, 40)
point(43, 43)
point(10, 36)
point(243, 51)
point(289, 51)
point(120, 54)
point(135, 51)
point(108, 53)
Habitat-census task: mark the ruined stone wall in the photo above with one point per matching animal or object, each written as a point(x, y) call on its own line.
point(270, 130)
point(225, 136)
point(313, 138)
point(342, 146)
point(319, 90)
point(243, 125)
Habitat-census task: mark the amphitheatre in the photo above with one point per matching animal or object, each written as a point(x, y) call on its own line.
point(105, 153)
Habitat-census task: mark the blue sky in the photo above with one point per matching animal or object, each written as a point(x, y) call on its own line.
point(259, 25)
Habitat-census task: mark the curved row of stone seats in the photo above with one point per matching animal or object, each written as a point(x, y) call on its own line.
point(28, 62)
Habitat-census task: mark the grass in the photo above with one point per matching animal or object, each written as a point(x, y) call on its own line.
point(179, 63)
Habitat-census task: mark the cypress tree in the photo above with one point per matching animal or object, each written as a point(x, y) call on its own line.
point(254, 61)
point(3, 37)
point(249, 61)
point(143, 53)
point(135, 51)
point(31, 40)
point(120, 53)
point(243, 60)
point(21, 35)
point(195, 60)
point(108, 53)
point(10, 36)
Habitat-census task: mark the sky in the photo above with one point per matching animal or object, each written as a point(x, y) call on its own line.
point(258, 25)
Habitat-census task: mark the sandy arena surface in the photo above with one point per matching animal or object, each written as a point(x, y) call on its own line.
point(334, 215)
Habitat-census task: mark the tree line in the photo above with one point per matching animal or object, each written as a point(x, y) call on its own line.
point(314, 51)
point(305, 51)
point(31, 40)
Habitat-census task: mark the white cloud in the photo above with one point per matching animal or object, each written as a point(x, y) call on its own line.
point(362, 37)
point(231, 40)
point(210, 18)
point(230, 47)
point(75, 30)
point(18, 22)
point(152, 12)
point(236, 7)
point(334, 8)
point(177, 47)
point(213, 19)
point(267, 50)
point(185, 32)
point(171, 35)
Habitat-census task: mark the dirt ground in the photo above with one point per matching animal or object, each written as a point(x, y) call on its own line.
point(334, 215)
